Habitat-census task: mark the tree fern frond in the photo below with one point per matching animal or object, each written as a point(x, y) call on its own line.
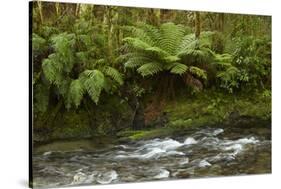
point(188, 42)
point(51, 71)
point(150, 68)
point(172, 59)
point(93, 81)
point(136, 62)
point(63, 42)
point(228, 74)
point(76, 92)
point(114, 74)
point(136, 43)
point(171, 36)
point(198, 72)
point(157, 51)
point(178, 68)
point(223, 60)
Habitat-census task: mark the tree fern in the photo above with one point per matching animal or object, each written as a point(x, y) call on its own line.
point(178, 68)
point(198, 72)
point(171, 36)
point(114, 74)
point(136, 62)
point(51, 70)
point(167, 48)
point(93, 82)
point(76, 91)
point(150, 68)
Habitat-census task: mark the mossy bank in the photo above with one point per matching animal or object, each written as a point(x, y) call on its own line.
point(176, 117)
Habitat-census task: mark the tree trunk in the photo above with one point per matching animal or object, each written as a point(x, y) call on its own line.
point(138, 121)
point(221, 22)
point(197, 25)
point(108, 18)
point(39, 3)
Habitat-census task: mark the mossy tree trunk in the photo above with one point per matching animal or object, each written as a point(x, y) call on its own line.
point(197, 25)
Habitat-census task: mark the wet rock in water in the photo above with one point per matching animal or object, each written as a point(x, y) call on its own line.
point(183, 173)
point(204, 163)
point(79, 178)
point(108, 177)
point(163, 174)
point(47, 153)
point(184, 161)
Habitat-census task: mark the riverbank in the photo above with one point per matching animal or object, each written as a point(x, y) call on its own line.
point(175, 117)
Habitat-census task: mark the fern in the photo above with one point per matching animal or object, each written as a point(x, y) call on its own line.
point(76, 92)
point(52, 72)
point(114, 74)
point(136, 62)
point(93, 81)
point(150, 68)
point(166, 48)
point(198, 72)
point(179, 68)
point(171, 36)
point(38, 43)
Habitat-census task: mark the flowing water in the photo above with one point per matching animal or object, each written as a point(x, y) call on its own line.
point(205, 152)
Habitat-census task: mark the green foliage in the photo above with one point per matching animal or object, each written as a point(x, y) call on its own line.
point(38, 43)
point(198, 72)
point(178, 68)
point(41, 98)
point(76, 92)
point(60, 68)
point(93, 81)
point(168, 48)
point(114, 74)
point(78, 59)
point(150, 68)
point(250, 64)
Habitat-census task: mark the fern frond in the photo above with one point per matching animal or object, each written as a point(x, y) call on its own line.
point(171, 59)
point(228, 74)
point(156, 51)
point(51, 71)
point(136, 43)
point(178, 68)
point(76, 92)
point(198, 72)
point(150, 68)
point(63, 42)
point(93, 82)
point(136, 62)
point(171, 36)
point(223, 60)
point(114, 74)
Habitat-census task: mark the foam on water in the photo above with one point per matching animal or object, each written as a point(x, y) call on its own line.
point(190, 141)
point(204, 163)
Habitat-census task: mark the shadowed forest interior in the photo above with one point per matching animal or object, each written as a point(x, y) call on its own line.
point(118, 75)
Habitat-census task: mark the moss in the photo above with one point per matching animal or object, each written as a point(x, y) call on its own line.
point(72, 125)
point(205, 109)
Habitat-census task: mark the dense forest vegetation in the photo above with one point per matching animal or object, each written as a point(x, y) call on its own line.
point(141, 72)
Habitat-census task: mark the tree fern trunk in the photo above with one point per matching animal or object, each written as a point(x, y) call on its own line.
point(197, 25)
point(40, 8)
point(138, 121)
